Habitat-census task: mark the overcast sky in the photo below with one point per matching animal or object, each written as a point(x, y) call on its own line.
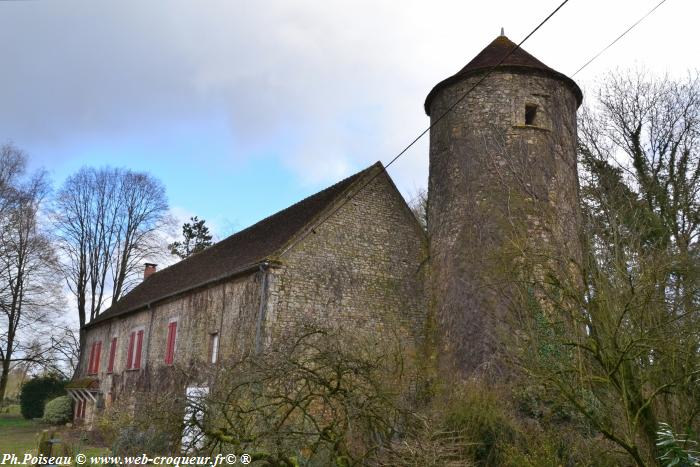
point(242, 108)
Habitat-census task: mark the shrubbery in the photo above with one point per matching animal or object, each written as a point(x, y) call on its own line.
point(134, 440)
point(149, 422)
point(59, 410)
point(36, 392)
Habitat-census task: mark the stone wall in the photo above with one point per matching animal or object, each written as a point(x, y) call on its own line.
point(361, 269)
point(228, 308)
point(490, 174)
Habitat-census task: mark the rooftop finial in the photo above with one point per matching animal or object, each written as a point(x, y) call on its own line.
point(502, 31)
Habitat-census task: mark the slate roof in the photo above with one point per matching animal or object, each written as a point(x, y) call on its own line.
point(241, 252)
point(491, 56)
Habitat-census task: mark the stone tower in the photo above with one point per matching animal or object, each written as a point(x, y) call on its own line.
point(504, 156)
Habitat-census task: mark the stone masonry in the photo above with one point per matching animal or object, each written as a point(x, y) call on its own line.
point(504, 158)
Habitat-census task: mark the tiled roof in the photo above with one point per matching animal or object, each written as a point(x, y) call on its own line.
point(241, 252)
point(491, 56)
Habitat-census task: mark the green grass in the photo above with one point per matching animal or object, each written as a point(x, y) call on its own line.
point(17, 435)
point(20, 436)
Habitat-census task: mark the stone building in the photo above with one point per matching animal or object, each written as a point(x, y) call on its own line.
point(351, 263)
point(354, 255)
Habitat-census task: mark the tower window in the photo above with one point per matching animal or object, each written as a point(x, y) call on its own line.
point(530, 114)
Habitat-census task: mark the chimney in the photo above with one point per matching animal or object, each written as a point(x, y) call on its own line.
point(148, 270)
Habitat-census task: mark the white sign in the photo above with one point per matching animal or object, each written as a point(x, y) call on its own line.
point(192, 434)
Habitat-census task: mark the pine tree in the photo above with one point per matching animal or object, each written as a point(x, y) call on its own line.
point(196, 238)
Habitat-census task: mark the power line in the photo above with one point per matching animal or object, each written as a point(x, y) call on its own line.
point(435, 122)
point(619, 37)
point(486, 75)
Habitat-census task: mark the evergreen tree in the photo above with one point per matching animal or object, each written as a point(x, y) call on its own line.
point(196, 237)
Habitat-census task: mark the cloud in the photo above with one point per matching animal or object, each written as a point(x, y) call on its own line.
point(323, 88)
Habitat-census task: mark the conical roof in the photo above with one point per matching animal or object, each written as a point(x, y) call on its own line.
point(491, 57)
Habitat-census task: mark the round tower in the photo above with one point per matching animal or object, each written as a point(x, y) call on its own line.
point(502, 161)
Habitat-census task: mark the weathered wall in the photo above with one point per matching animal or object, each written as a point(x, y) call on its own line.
point(490, 173)
point(361, 269)
point(229, 308)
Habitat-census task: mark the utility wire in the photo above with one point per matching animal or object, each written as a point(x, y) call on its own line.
point(435, 122)
point(619, 37)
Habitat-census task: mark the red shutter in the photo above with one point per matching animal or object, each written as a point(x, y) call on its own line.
point(98, 351)
point(80, 409)
point(91, 363)
point(170, 348)
point(139, 345)
point(130, 352)
point(112, 353)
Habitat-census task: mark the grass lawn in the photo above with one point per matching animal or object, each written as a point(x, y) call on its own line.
point(17, 435)
point(20, 436)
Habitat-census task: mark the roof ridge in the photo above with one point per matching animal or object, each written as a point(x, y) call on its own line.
point(356, 175)
point(356, 179)
point(242, 231)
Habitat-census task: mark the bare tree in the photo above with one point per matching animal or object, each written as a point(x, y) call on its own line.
point(62, 353)
point(419, 207)
point(107, 222)
point(334, 397)
point(28, 267)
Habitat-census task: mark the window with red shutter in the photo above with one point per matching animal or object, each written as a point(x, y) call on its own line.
point(94, 363)
point(112, 354)
point(130, 351)
point(170, 347)
point(139, 346)
point(91, 362)
point(98, 351)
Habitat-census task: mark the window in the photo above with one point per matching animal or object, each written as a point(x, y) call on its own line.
point(139, 347)
point(530, 114)
point(112, 354)
point(91, 362)
point(130, 351)
point(214, 347)
point(170, 347)
point(94, 363)
point(133, 354)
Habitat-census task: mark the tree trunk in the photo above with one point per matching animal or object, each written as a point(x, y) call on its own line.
point(3, 379)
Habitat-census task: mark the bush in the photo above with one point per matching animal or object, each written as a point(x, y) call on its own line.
point(481, 415)
point(133, 441)
point(36, 392)
point(58, 411)
point(148, 422)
